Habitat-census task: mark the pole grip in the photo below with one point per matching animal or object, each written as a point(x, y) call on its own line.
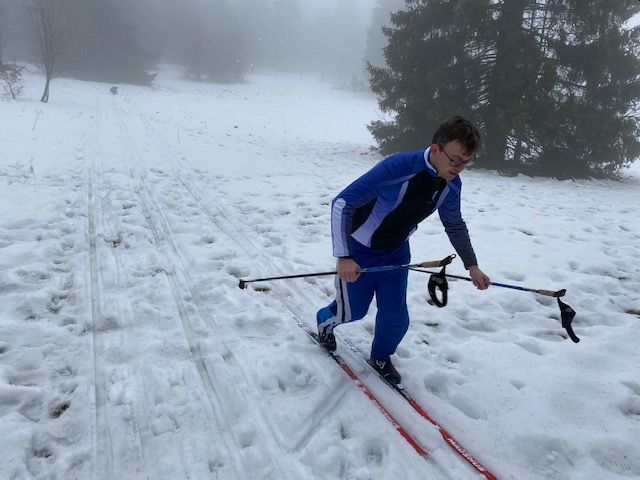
point(551, 293)
point(433, 264)
point(436, 263)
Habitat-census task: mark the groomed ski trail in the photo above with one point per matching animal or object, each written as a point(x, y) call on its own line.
point(224, 218)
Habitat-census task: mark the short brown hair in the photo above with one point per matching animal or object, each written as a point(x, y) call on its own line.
point(461, 129)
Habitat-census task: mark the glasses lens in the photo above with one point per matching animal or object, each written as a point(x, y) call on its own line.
point(460, 163)
point(463, 163)
point(456, 162)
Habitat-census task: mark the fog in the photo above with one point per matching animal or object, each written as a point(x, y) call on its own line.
point(219, 40)
point(325, 36)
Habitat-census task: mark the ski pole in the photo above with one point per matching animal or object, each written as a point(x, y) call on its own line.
point(429, 264)
point(548, 293)
point(567, 313)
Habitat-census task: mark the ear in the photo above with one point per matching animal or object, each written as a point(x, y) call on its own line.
point(434, 147)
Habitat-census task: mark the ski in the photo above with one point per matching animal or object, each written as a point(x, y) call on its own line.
point(363, 388)
point(399, 388)
point(448, 438)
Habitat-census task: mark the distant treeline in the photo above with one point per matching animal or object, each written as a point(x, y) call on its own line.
point(217, 40)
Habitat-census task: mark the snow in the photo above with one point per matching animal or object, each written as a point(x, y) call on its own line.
point(128, 351)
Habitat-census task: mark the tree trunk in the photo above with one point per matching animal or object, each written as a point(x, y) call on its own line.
point(504, 95)
point(45, 94)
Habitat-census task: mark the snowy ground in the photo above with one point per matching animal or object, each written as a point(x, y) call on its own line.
point(127, 350)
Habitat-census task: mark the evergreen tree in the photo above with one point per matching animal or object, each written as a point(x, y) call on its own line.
point(552, 83)
point(434, 69)
point(594, 132)
point(510, 83)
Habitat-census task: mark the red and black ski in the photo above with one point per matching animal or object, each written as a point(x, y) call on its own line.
point(448, 438)
point(416, 406)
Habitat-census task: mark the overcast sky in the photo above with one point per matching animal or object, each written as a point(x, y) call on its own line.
point(364, 6)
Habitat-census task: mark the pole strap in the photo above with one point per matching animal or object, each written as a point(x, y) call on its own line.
point(438, 281)
point(567, 313)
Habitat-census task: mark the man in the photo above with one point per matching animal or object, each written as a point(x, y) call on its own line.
point(371, 221)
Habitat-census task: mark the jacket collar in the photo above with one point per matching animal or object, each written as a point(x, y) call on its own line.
point(427, 155)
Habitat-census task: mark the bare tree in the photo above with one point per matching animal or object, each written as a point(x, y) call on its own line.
point(11, 79)
point(54, 30)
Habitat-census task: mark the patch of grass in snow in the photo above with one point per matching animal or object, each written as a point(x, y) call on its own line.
point(58, 410)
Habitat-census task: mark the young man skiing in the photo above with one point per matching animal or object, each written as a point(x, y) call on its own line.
point(371, 221)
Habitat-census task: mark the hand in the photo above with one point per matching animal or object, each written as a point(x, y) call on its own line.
point(478, 278)
point(348, 269)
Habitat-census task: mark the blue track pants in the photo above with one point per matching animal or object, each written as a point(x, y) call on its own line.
point(390, 288)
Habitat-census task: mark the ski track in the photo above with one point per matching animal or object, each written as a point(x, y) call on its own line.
point(127, 350)
point(118, 383)
point(204, 418)
point(217, 367)
point(117, 414)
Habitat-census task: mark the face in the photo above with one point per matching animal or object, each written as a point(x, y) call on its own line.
point(450, 159)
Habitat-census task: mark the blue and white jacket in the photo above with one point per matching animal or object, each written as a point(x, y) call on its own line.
point(383, 207)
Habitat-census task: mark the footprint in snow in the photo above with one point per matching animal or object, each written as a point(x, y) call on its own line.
point(436, 383)
point(375, 453)
point(467, 407)
point(555, 335)
point(246, 437)
point(547, 456)
point(630, 407)
point(513, 276)
point(531, 347)
point(479, 326)
point(32, 407)
point(617, 456)
point(403, 352)
point(41, 454)
point(518, 385)
point(215, 466)
point(238, 271)
point(58, 408)
point(208, 238)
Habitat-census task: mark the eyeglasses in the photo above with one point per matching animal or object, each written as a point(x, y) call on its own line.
point(456, 162)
